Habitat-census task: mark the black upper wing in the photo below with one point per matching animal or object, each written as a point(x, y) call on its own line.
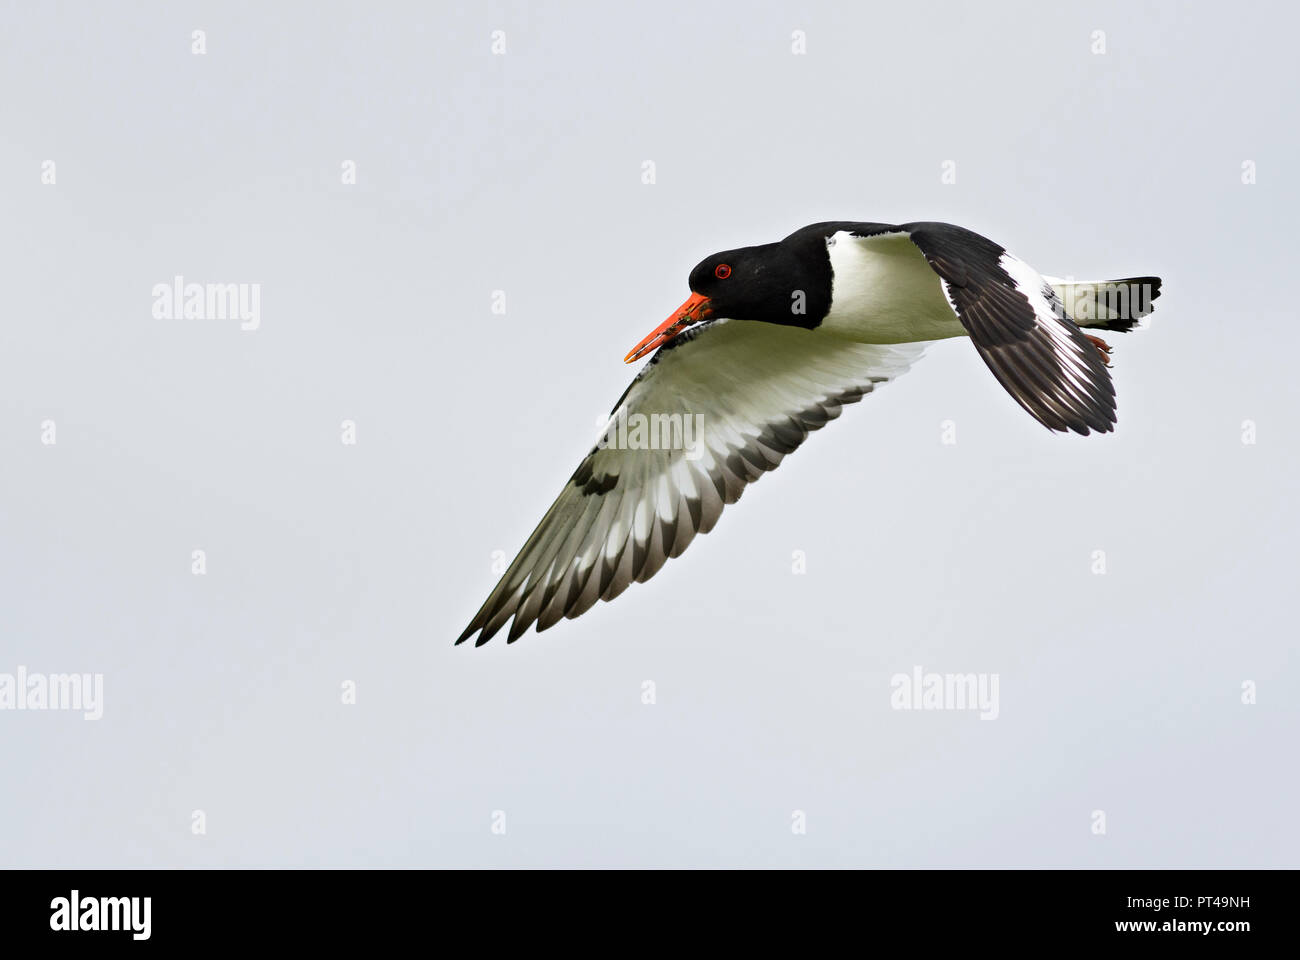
point(1017, 324)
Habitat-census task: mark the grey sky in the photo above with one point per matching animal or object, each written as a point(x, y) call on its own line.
point(329, 562)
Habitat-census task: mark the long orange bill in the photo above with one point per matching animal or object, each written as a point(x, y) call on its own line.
point(694, 310)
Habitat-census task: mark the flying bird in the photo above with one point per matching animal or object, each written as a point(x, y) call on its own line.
point(773, 341)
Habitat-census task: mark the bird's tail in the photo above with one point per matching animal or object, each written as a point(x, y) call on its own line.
point(1115, 305)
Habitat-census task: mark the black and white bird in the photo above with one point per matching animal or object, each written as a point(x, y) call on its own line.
point(772, 343)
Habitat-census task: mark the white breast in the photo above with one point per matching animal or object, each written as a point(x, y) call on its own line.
point(884, 291)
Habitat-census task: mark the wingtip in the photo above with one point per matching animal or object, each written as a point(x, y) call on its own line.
point(477, 625)
point(517, 629)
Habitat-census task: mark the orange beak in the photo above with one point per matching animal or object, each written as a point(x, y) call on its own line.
point(694, 310)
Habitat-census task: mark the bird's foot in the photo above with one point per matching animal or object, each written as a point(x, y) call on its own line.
point(1102, 347)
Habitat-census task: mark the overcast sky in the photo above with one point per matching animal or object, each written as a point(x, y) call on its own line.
point(1106, 140)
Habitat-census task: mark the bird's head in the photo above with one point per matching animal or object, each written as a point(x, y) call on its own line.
point(766, 283)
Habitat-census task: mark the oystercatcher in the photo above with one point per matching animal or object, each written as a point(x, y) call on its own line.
point(771, 344)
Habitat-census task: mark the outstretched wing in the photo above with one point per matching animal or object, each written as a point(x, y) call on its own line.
point(1015, 319)
point(712, 411)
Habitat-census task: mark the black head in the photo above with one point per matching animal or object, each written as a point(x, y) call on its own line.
point(787, 283)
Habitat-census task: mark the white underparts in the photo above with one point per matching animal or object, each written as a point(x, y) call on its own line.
point(884, 291)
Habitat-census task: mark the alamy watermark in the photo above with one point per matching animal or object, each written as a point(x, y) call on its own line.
point(654, 431)
point(919, 690)
point(179, 300)
point(53, 691)
point(1109, 300)
point(75, 913)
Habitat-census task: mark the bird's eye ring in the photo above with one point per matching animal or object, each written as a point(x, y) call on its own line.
point(722, 271)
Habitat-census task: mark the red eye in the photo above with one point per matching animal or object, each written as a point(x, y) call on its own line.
point(722, 271)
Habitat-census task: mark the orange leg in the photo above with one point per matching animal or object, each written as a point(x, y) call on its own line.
point(1102, 347)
